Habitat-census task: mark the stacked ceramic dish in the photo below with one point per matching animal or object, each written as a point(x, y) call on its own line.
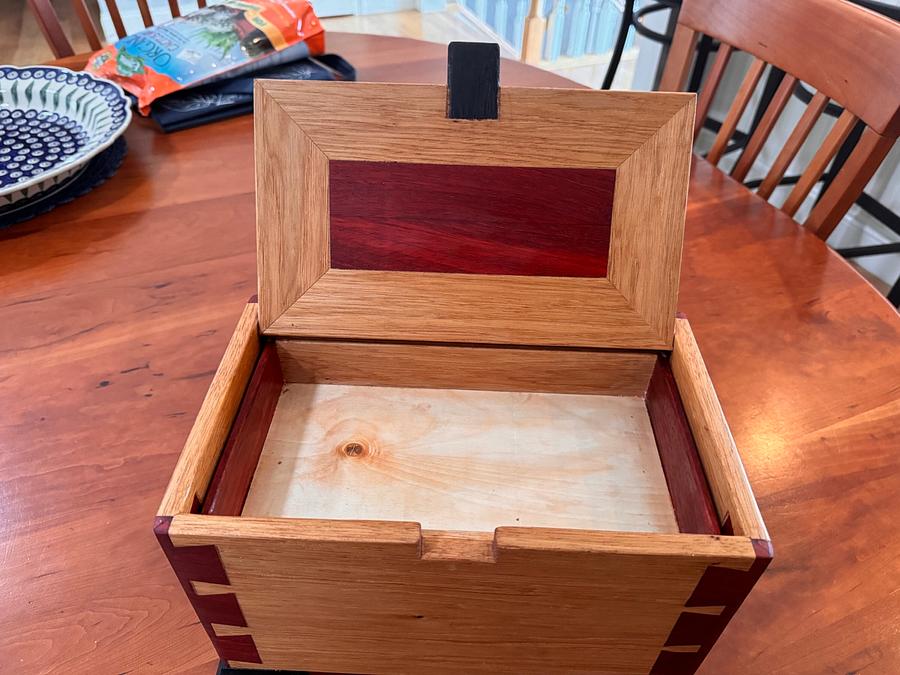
point(53, 121)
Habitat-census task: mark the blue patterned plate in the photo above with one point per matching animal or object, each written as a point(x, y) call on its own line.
point(52, 122)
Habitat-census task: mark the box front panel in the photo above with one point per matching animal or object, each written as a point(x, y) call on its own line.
point(403, 604)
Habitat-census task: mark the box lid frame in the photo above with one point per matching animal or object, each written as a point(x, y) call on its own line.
point(645, 137)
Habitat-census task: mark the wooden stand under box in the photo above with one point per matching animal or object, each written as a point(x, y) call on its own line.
point(463, 430)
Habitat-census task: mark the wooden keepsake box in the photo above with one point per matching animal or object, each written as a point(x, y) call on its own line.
point(463, 430)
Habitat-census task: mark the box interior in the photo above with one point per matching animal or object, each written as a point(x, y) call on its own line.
point(461, 459)
point(464, 438)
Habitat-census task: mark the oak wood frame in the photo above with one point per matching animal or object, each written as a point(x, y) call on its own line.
point(645, 138)
point(194, 469)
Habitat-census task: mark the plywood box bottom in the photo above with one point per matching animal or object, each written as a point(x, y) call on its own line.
point(454, 459)
point(471, 508)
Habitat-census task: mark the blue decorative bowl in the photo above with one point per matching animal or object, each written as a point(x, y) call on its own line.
point(52, 122)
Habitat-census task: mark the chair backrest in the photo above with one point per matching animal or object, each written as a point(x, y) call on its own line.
point(48, 21)
point(850, 55)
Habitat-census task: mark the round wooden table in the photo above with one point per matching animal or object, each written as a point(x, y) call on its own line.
point(116, 308)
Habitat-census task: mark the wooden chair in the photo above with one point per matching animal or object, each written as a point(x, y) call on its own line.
point(48, 21)
point(850, 55)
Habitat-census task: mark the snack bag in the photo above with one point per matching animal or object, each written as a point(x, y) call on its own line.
point(233, 38)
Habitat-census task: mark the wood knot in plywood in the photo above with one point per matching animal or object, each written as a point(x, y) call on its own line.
point(356, 448)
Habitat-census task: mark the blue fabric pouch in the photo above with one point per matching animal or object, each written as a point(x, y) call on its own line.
point(230, 98)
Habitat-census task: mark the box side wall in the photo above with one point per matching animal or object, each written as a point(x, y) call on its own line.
point(736, 505)
point(194, 469)
point(570, 371)
point(387, 598)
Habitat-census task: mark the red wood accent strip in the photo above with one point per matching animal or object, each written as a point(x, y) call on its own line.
point(222, 608)
point(234, 472)
point(470, 219)
point(724, 586)
point(202, 563)
point(238, 648)
point(695, 511)
point(195, 563)
point(727, 525)
point(719, 586)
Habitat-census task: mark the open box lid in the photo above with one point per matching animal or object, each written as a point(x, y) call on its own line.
point(381, 216)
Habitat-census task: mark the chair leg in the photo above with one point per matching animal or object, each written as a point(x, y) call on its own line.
point(664, 47)
point(624, 27)
point(893, 295)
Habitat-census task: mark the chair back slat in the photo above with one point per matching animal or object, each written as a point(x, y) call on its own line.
point(48, 22)
point(846, 53)
point(821, 42)
point(711, 85)
point(116, 18)
point(678, 63)
point(859, 168)
point(801, 131)
point(146, 17)
point(816, 167)
point(766, 124)
point(201, 3)
point(745, 92)
point(91, 32)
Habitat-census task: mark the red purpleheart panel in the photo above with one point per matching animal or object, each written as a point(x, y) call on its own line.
point(470, 219)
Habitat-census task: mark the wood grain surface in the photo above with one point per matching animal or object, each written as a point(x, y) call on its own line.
point(817, 41)
point(629, 588)
point(203, 446)
point(463, 460)
point(240, 455)
point(475, 219)
point(721, 461)
point(688, 487)
point(644, 137)
point(118, 307)
point(813, 41)
point(564, 371)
